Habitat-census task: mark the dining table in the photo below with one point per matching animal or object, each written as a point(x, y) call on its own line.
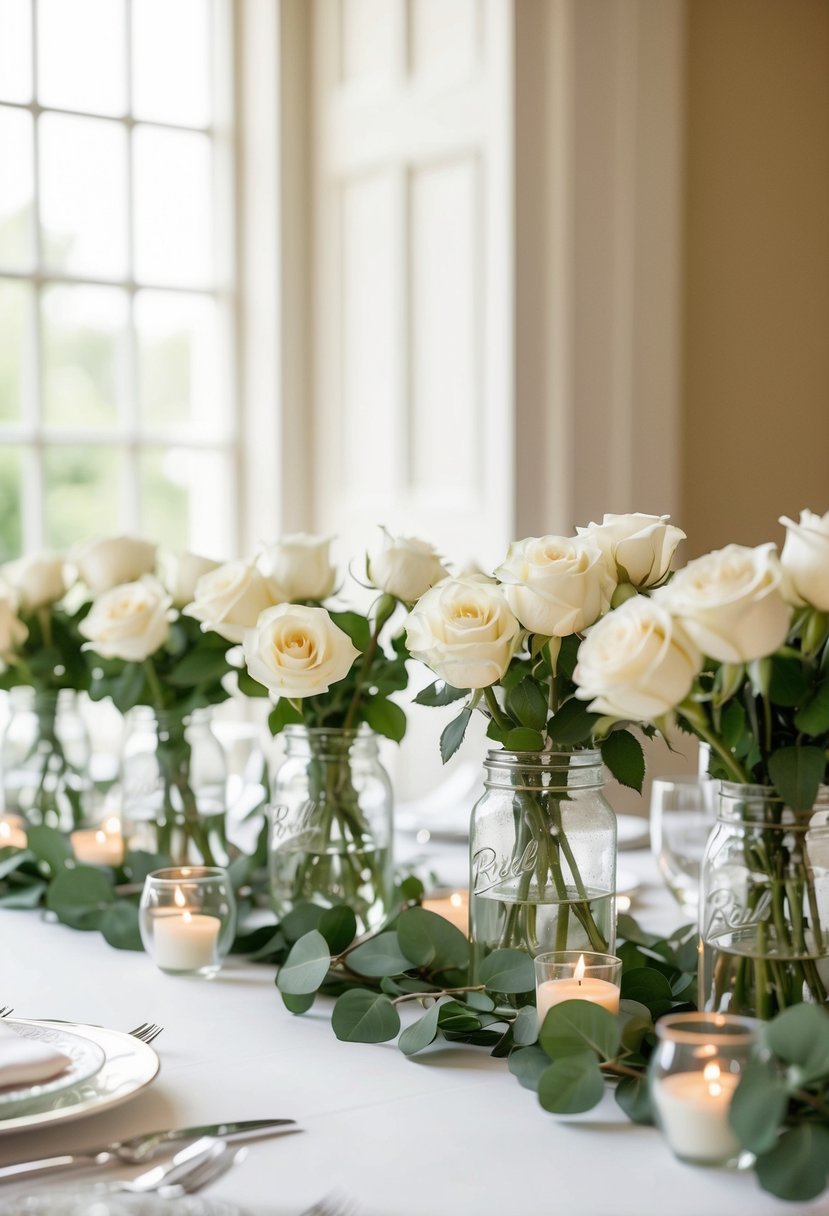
point(448, 1132)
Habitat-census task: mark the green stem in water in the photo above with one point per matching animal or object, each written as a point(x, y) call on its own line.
point(156, 690)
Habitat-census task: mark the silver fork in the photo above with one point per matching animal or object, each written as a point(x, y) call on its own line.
point(146, 1032)
point(330, 1205)
point(5, 1010)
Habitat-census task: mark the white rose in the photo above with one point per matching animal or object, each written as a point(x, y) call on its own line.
point(731, 603)
point(38, 581)
point(297, 651)
point(640, 548)
point(299, 568)
point(128, 622)
point(464, 631)
point(556, 585)
point(805, 557)
point(636, 663)
point(182, 572)
point(13, 632)
point(405, 567)
point(230, 599)
point(112, 561)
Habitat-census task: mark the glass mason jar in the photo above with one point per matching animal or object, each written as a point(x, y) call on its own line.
point(542, 855)
point(174, 786)
point(331, 824)
point(764, 908)
point(45, 758)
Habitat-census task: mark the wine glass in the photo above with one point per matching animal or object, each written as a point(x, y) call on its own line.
point(681, 819)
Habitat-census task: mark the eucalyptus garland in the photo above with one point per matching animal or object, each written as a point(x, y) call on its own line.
point(780, 1110)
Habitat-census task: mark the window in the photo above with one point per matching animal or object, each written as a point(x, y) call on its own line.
point(116, 275)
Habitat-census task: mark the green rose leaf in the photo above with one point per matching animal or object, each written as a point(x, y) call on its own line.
point(632, 1096)
point(508, 971)
point(50, 847)
point(522, 739)
point(198, 667)
point(796, 1168)
point(428, 940)
point(249, 686)
point(364, 1017)
point(800, 1037)
point(525, 1026)
point(573, 723)
point(338, 925)
point(453, 734)
point(440, 693)
point(79, 897)
point(119, 925)
point(380, 955)
point(284, 714)
point(528, 1064)
point(299, 1002)
point(789, 684)
point(758, 1106)
point(528, 704)
point(386, 718)
point(573, 1026)
point(421, 1033)
point(306, 966)
point(813, 718)
point(623, 755)
point(571, 1084)
point(356, 626)
point(797, 773)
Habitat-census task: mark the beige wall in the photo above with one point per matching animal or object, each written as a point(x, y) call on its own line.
point(756, 377)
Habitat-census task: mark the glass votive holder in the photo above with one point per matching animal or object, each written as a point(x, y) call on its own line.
point(576, 975)
point(692, 1075)
point(187, 919)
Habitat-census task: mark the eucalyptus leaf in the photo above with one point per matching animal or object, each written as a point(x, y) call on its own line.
point(527, 1064)
point(421, 1033)
point(796, 1168)
point(632, 1095)
point(456, 1018)
point(50, 846)
point(800, 1037)
point(429, 940)
point(525, 1026)
point(650, 988)
point(364, 1017)
point(301, 920)
point(571, 1084)
point(306, 966)
point(574, 1026)
point(119, 925)
point(758, 1106)
point(338, 925)
point(79, 896)
point(380, 955)
point(508, 971)
point(480, 1001)
point(299, 1002)
point(24, 897)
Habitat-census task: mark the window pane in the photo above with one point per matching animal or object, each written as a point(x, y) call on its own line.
point(81, 491)
point(16, 50)
point(83, 195)
point(11, 530)
point(81, 55)
point(16, 189)
point(179, 361)
point(171, 61)
point(173, 187)
point(84, 355)
point(15, 348)
point(187, 500)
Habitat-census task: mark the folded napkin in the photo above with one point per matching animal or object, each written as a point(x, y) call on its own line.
point(25, 1061)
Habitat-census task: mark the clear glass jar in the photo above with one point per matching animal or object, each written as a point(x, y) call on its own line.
point(174, 786)
point(331, 824)
point(764, 908)
point(542, 855)
point(692, 1075)
point(45, 756)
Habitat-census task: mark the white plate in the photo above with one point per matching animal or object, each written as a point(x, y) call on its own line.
point(85, 1059)
point(129, 1065)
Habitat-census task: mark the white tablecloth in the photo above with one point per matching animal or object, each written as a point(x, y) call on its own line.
point(448, 1133)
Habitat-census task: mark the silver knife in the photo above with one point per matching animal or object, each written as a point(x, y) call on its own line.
point(144, 1147)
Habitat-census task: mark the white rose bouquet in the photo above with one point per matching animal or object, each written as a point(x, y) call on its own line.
point(507, 647)
point(736, 649)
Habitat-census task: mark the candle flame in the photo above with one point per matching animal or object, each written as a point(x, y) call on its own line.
point(578, 974)
point(179, 897)
point(5, 830)
point(711, 1073)
point(112, 825)
point(456, 899)
point(100, 837)
point(188, 916)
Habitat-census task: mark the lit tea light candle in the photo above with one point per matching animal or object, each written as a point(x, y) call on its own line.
point(12, 833)
point(453, 907)
point(103, 846)
point(581, 984)
point(692, 1108)
point(186, 940)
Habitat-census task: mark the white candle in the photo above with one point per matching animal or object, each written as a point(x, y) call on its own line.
point(693, 1111)
point(454, 908)
point(102, 846)
point(12, 834)
point(186, 941)
point(576, 988)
